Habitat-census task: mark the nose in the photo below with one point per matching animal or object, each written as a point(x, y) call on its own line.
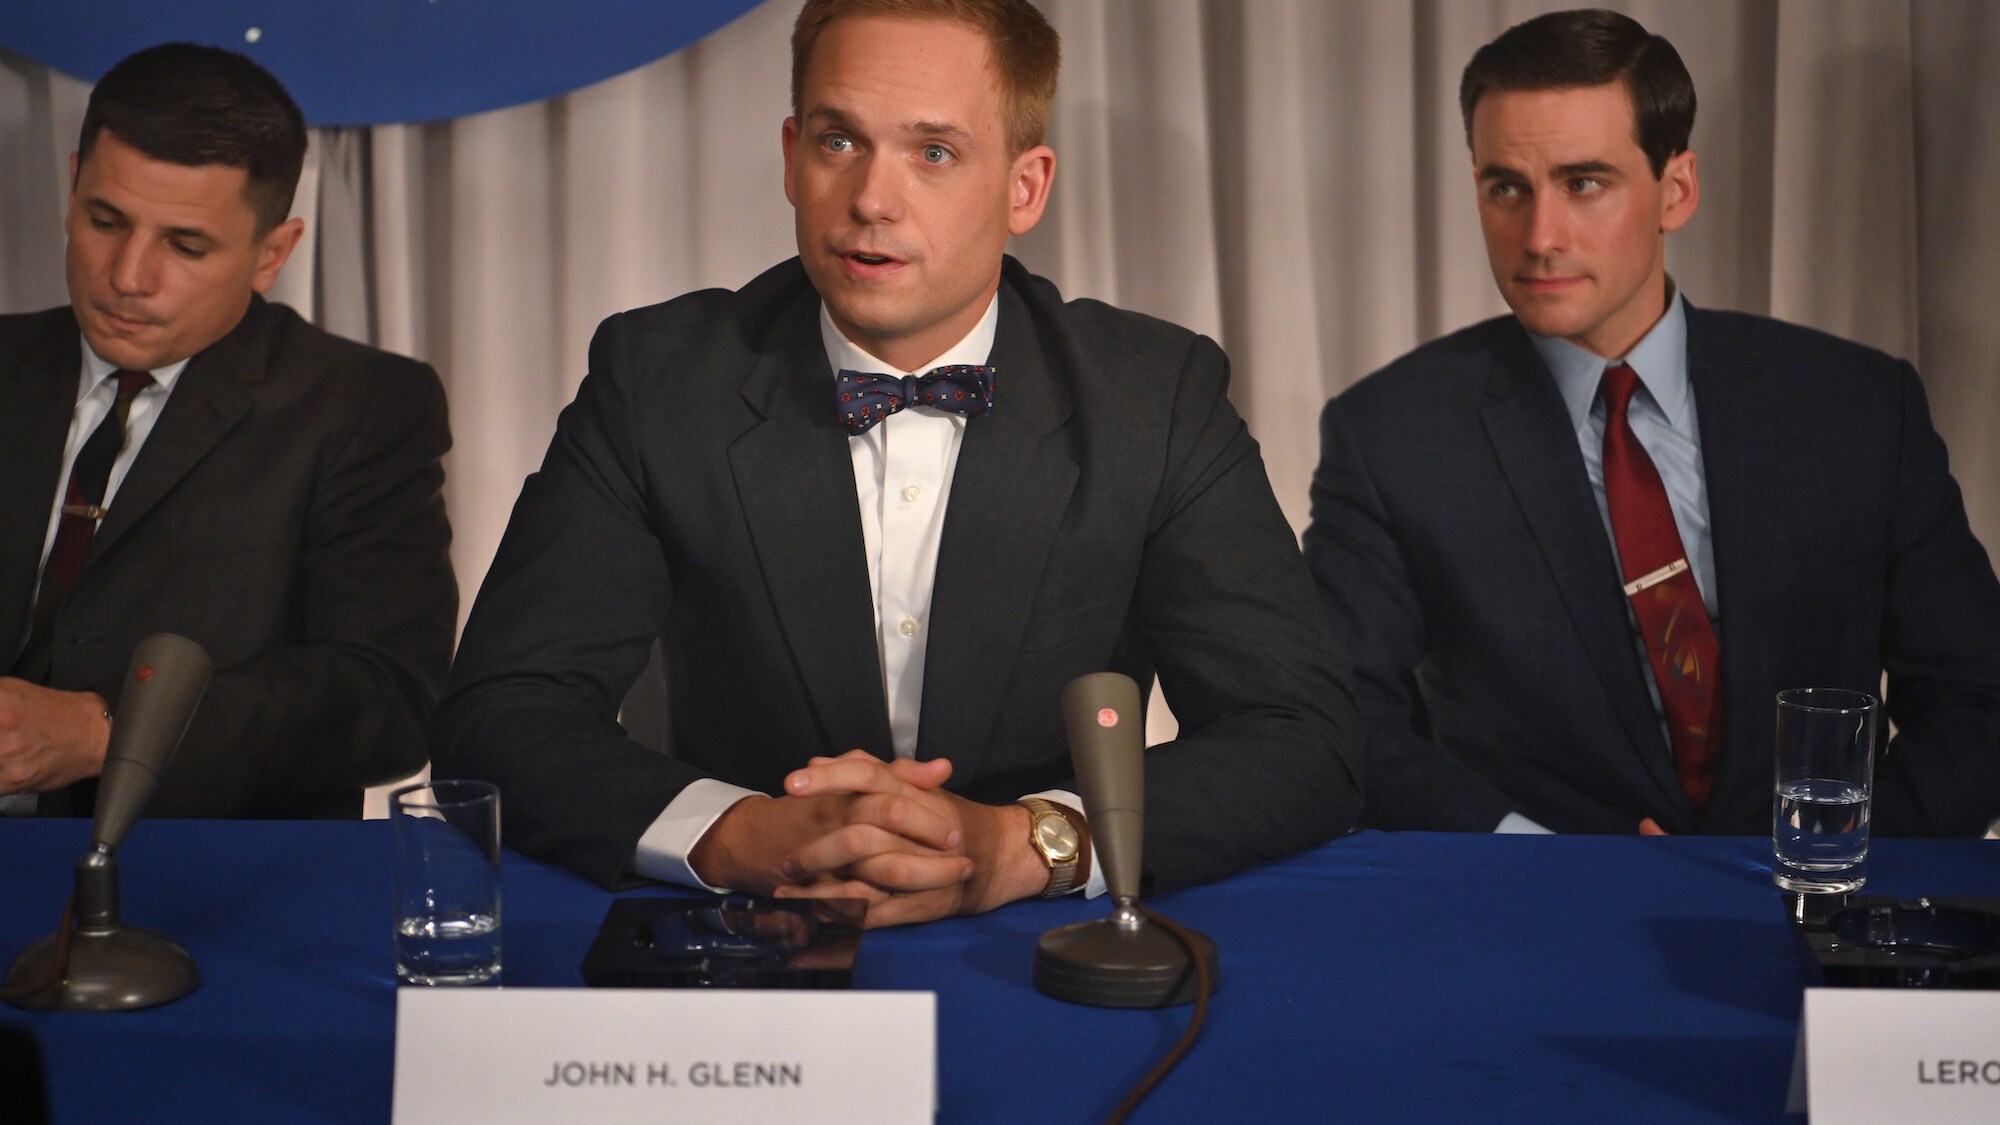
point(878, 189)
point(1548, 225)
point(133, 267)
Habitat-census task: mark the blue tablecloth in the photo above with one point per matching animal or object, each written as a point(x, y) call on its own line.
point(1384, 977)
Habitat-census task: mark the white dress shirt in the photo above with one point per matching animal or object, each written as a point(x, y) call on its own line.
point(903, 469)
point(96, 394)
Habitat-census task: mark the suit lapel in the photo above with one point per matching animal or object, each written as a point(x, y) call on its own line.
point(1745, 500)
point(1009, 492)
point(210, 397)
point(39, 396)
point(1530, 430)
point(795, 479)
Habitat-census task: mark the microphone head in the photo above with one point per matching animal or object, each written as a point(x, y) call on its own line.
point(1107, 744)
point(168, 675)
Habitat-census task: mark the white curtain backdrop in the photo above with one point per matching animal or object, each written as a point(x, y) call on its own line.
point(1289, 176)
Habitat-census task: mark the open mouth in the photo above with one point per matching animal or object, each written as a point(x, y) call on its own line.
point(871, 259)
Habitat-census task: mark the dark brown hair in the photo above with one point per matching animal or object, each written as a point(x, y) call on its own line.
point(1591, 47)
point(193, 105)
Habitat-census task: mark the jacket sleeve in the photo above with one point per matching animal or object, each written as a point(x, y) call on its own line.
point(562, 626)
point(1268, 760)
point(1367, 594)
point(1940, 648)
point(341, 704)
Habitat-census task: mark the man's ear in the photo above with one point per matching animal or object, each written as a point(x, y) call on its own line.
point(1680, 191)
point(789, 136)
point(1029, 181)
point(273, 251)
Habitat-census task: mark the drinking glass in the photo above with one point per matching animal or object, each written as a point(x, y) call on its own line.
point(1825, 776)
point(447, 882)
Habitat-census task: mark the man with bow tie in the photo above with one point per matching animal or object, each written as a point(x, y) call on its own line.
point(880, 506)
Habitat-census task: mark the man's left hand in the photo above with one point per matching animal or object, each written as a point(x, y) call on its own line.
point(49, 738)
point(850, 865)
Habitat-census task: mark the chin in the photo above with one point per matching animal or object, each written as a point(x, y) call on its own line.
point(1545, 321)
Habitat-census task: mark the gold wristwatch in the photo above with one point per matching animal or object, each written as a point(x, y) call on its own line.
point(1062, 838)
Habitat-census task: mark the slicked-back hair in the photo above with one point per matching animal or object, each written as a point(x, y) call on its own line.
point(1026, 51)
point(192, 105)
point(1591, 47)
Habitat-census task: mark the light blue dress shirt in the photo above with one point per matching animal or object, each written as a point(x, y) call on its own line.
point(1663, 419)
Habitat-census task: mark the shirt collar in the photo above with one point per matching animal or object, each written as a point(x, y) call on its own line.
point(843, 354)
point(96, 369)
point(1660, 358)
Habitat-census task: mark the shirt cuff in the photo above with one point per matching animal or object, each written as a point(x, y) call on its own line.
point(1514, 824)
point(19, 804)
point(1094, 886)
point(663, 849)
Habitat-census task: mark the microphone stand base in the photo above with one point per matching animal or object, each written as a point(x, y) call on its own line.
point(1107, 965)
point(110, 970)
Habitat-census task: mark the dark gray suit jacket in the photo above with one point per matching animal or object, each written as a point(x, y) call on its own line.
point(1461, 558)
point(285, 513)
point(1111, 513)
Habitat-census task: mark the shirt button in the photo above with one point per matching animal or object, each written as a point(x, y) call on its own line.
point(908, 628)
point(912, 492)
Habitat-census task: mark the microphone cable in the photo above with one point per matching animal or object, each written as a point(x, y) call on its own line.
point(1202, 987)
point(58, 964)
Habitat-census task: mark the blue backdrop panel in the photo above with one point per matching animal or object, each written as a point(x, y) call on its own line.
point(372, 62)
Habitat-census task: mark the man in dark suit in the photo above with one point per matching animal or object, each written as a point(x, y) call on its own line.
point(176, 455)
point(831, 636)
point(1571, 609)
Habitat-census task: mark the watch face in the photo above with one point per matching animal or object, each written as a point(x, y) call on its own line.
point(1056, 837)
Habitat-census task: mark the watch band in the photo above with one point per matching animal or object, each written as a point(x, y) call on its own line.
point(1065, 875)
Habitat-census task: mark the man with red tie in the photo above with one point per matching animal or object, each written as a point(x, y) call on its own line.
point(1575, 552)
point(177, 455)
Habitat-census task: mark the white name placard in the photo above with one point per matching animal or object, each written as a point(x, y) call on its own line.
point(1899, 1054)
point(503, 1055)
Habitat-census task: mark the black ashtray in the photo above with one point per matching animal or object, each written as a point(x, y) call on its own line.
point(1879, 942)
point(728, 941)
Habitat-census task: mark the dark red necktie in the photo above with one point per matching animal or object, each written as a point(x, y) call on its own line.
point(82, 508)
point(1680, 640)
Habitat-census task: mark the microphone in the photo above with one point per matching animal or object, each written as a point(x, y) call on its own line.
point(1124, 961)
point(169, 673)
point(101, 965)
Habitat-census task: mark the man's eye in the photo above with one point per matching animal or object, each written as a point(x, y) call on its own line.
point(837, 143)
point(1585, 185)
point(184, 250)
point(936, 154)
point(98, 223)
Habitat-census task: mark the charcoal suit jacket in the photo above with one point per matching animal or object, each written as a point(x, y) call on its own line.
point(1112, 512)
point(286, 513)
point(1462, 560)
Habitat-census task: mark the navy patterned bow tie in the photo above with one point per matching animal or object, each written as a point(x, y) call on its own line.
point(865, 399)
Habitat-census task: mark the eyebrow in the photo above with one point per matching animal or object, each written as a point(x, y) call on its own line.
point(833, 117)
point(1561, 171)
point(185, 234)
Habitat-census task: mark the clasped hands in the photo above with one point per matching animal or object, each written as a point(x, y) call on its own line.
point(888, 833)
point(49, 738)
